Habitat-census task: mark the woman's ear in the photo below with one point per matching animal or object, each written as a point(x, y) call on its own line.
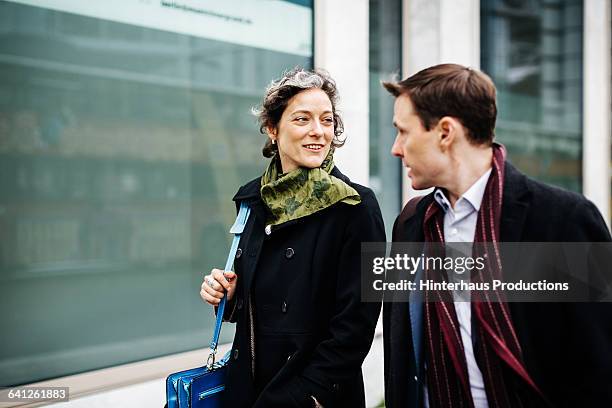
point(271, 131)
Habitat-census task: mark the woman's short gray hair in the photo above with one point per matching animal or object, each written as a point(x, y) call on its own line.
point(279, 93)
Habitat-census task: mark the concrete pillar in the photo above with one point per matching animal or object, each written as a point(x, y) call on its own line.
point(342, 48)
point(596, 96)
point(435, 32)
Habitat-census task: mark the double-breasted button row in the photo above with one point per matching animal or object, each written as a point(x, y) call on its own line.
point(289, 252)
point(239, 252)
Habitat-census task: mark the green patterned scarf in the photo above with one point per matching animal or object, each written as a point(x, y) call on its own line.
point(303, 191)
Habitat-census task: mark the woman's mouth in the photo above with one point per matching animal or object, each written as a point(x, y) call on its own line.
point(314, 147)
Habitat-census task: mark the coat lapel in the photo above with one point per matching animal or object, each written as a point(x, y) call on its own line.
point(413, 231)
point(250, 193)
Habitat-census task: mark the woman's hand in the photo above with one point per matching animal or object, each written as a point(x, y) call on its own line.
point(214, 286)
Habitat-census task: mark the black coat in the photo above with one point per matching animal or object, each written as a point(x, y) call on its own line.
point(567, 347)
point(309, 332)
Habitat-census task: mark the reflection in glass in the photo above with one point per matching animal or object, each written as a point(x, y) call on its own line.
point(533, 52)
point(120, 150)
point(385, 61)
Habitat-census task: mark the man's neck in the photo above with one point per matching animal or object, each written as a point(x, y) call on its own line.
point(466, 171)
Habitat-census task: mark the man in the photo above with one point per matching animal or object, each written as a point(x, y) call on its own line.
point(480, 354)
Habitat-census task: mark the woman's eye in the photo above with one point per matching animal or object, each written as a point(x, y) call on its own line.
point(301, 119)
point(328, 120)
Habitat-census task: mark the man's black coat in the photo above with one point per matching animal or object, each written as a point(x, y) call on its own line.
point(311, 330)
point(567, 347)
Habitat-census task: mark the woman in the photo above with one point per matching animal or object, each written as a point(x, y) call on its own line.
point(302, 332)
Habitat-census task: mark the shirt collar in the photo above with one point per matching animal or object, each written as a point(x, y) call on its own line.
point(473, 195)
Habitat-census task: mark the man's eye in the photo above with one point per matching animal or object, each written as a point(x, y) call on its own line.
point(301, 119)
point(328, 120)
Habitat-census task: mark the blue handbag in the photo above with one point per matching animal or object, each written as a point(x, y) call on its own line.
point(202, 387)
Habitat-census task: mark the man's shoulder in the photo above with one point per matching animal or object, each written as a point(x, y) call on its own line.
point(564, 214)
point(414, 209)
point(542, 197)
point(553, 197)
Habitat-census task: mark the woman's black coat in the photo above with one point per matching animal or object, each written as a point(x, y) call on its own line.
point(312, 332)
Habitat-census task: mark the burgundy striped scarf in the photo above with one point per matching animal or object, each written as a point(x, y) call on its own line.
point(498, 352)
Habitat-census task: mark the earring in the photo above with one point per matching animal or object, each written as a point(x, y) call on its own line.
point(273, 141)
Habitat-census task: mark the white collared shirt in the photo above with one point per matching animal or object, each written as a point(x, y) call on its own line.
point(460, 226)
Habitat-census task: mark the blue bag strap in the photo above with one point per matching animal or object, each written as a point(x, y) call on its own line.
point(236, 229)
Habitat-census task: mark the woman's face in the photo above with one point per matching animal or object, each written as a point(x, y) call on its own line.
point(305, 131)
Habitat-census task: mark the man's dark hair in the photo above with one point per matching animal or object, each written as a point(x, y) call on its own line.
point(452, 90)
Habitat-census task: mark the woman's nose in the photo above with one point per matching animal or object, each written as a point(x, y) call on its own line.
point(316, 129)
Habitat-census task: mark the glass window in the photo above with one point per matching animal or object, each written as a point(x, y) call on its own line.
point(385, 61)
point(533, 51)
point(121, 146)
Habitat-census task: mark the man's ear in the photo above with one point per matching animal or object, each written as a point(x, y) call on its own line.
point(447, 131)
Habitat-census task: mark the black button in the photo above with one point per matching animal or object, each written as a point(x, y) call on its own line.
point(336, 387)
point(253, 252)
point(240, 304)
point(289, 253)
point(284, 307)
point(236, 354)
point(238, 253)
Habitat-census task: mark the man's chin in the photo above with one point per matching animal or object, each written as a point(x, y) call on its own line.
point(418, 185)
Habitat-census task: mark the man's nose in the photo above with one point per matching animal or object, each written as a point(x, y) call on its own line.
point(396, 149)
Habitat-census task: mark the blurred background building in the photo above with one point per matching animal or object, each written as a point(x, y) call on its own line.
point(125, 129)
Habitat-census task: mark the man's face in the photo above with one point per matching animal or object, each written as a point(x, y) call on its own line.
point(418, 148)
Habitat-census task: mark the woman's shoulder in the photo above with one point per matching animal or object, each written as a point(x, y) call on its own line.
point(368, 208)
point(364, 218)
point(368, 198)
point(248, 190)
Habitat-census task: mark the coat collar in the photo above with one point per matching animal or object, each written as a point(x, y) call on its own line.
point(516, 203)
point(515, 207)
point(249, 191)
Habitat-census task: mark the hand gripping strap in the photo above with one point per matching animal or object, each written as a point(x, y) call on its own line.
point(237, 228)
